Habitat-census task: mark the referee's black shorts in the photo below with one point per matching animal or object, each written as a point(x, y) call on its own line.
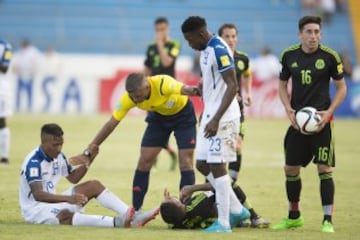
point(160, 127)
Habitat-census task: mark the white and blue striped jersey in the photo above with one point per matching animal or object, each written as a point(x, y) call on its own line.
point(39, 167)
point(216, 58)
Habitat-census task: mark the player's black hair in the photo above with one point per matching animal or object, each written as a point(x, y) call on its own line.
point(52, 129)
point(170, 213)
point(226, 25)
point(134, 82)
point(309, 19)
point(192, 24)
point(161, 20)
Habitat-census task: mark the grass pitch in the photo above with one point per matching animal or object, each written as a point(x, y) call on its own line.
point(261, 178)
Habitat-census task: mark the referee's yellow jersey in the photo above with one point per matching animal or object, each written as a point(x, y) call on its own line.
point(165, 98)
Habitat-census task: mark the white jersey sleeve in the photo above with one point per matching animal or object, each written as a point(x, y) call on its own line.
point(214, 60)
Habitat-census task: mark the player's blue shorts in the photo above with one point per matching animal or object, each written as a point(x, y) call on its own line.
point(160, 127)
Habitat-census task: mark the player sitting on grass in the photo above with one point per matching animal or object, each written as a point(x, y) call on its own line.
point(40, 173)
point(198, 211)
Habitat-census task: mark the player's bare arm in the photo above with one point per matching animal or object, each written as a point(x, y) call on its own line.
point(188, 190)
point(191, 90)
point(89, 154)
point(42, 196)
point(213, 125)
point(285, 99)
point(76, 175)
point(340, 94)
point(247, 87)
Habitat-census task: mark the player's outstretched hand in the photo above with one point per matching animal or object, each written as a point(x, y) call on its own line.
point(83, 159)
point(80, 159)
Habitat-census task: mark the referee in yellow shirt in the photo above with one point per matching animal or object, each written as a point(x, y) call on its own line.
point(170, 110)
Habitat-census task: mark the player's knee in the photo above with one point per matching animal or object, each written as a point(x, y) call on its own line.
point(324, 168)
point(65, 217)
point(185, 164)
point(95, 184)
point(202, 167)
point(292, 170)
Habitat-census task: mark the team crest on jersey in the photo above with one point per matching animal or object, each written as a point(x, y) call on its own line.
point(205, 57)
point(340, 68)
point(241, 65)
point(320, 64)
point(34, 172)
point(174, 52)
point(225, 60)
point(170, 103)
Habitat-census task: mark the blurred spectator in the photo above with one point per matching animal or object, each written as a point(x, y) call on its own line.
point(322, 8)
point(341, 6)
point(26, 62)
point(51, 64)
point(348, 67)
point(356, 74)
point(266, 67)
point(327, 10)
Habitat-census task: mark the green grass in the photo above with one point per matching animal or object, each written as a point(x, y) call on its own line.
point(261, 177)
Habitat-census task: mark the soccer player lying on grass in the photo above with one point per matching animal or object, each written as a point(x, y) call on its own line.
point(40, 173)
point(198, 211)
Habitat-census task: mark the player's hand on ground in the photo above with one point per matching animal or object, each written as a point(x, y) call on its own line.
point(185, 193)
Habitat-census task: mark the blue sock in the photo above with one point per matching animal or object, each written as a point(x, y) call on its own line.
point(187, 178)
point(140, 187)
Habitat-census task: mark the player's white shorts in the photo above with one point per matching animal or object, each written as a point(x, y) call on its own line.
point(220, 148)
point(45, 213)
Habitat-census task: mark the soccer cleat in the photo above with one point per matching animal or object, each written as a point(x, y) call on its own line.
point(235, 219)
point(125, 219)
point(327, 227)
point(244, 224)
point(287, 223)
point(259, 222)
point(4, 161)
point(141, 218)
point(216, 227)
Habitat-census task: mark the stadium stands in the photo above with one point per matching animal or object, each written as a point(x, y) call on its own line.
point(126, 27)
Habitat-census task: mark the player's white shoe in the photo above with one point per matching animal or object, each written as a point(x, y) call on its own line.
point(141, 218)
point(125, 219)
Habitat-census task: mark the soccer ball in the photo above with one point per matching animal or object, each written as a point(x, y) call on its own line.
point(307, 119)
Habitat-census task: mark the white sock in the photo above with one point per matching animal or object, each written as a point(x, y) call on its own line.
point(235, 204)
point(211, 179)
point(80, 219)
point(222, 195)
point(4, 142)
point(111, 201)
